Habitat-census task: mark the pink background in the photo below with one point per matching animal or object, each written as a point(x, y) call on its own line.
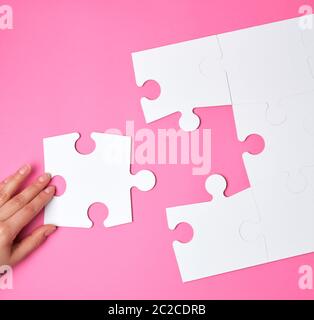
point(67, 67)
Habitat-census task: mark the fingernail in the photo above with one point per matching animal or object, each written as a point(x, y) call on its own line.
point(24, 169)
point(49, 189)
point(44, 177)
point(50, 231)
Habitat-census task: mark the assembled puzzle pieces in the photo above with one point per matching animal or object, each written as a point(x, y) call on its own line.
point(102, 176)
point(269, 70)
point(255, 226)
point(262, 64)
point(217, 245)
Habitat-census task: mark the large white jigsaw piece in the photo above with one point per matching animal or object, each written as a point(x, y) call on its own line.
point(102, 176)
point(217, 245)
point(286, 218)
point(177, 70)
point(289, 144)
point(267, 63)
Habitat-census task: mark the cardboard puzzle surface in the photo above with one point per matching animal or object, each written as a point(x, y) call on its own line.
point(217, 245)
point(102, 176)
point(177, 70)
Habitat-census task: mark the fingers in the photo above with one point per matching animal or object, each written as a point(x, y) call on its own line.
point(24, 216)
point(17, 210)
point(23, 198)
point(12, 183)
point(30, 243)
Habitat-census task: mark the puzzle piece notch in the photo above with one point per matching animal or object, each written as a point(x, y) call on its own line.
point(216, 246)
point(97, 214)
point(60, 185)
point(103, 176)
point(85, 145)
point(183, 232)
point(176, 69)
point(254, 144)
point(150, 90)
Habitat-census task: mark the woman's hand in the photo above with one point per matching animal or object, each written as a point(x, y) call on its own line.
point(17, 210)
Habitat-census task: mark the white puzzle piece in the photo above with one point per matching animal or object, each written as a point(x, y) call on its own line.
point(102, 176)
point(266, 63)
point(287, 218)
point(217, 245)
point(289, 145)
point(176, 68)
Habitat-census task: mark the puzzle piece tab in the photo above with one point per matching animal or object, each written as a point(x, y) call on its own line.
point(102, 176)
point(217, 245)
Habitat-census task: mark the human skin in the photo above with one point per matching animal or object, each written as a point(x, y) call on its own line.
point(17, 210)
